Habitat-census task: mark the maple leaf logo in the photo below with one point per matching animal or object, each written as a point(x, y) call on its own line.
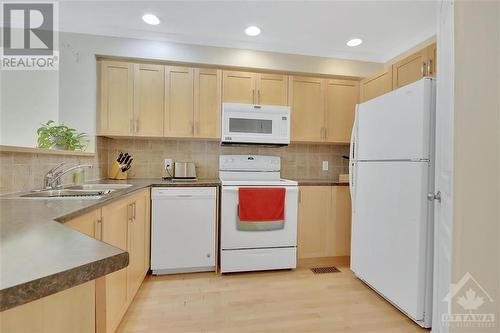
point(470, 301)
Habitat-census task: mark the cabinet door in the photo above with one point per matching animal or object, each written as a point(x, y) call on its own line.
point(340, 226)
point(239, 87)
point(71, 310)
point(432, 58)
point(148, 100)
point(272, 89)
point(117, 93)
point(113, 300)
point(89, 224)
point(410, 69)
point(314, 218)
point(179, 91)
point(207, 102)
point(308, 118)
point(376, 85)
point(137, 242)
point(341, 99)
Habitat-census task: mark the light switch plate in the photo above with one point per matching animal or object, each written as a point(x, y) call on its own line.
point(325, 166)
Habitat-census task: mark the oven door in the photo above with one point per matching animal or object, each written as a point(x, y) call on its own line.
point(248, 235)
point(258, 124)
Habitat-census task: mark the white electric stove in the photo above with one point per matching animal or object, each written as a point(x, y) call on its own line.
point(252, 246)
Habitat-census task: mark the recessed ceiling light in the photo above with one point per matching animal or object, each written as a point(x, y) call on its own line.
point(252, 31)
point(354, 42)
point(151, 19)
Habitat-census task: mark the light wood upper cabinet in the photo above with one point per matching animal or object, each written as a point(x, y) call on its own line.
point(341, 99)
point(414, 67)
point(115, 116)
point(272, 89)
point(255, 88)
point(432, 65)
point(376, 85)
point(207, 102)
point(179, 101)
point(308, 108)
point(410, 69)
point(324, 222)
point(239, 87)
point(148, 100)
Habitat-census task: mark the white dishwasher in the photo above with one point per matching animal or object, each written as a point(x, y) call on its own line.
point(183, 229)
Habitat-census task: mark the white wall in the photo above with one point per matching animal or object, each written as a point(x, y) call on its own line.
point(27, 99)
point(30, 98)
point(476, 223)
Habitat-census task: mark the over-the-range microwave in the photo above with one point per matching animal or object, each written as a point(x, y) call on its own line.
point(255, 124)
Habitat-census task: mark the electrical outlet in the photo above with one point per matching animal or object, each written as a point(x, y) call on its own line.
point(167, 164)
point(325, 166)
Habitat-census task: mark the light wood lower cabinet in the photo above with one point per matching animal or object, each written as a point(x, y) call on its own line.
point(126, 225)
point(111, 290)
point(324, 222)
point(71, 310)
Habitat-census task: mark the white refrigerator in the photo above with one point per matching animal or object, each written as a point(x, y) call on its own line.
point(391, 176)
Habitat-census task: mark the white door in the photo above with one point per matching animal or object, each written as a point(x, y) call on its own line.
point(234, 235)
point(443, 220)
point(396, 126)
point(391, 219)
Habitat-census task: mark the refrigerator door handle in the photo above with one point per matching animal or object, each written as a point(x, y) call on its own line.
point(351, 155)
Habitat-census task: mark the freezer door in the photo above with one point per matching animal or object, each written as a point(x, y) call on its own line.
point(391, 218)
point(396, 126)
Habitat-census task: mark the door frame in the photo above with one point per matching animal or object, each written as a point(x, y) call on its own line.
point(444, 144)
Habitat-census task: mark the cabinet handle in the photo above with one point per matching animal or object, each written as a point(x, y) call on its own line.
point(99, 228)
point(129, 213)
point(429, 67)
point(253, 96)
point(133, 206)
point(424, 65)
point(300, 195)
point(258, 96)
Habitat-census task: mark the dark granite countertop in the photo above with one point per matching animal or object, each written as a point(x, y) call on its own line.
point(39, 256)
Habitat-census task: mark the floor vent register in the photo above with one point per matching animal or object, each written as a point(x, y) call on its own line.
point(322, 270)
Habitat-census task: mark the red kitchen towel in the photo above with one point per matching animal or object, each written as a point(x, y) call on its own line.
point(257, 204)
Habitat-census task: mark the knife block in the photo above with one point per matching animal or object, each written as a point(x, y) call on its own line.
point(115, 172)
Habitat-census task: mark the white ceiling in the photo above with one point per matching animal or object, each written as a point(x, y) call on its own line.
point(318, 28)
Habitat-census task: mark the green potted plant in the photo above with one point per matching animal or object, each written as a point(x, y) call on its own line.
point(54, 136)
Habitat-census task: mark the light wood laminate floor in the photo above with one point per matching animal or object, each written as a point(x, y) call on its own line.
point(277, 301)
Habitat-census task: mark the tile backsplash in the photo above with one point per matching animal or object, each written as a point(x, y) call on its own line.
point(25, 171)
point(298, 161)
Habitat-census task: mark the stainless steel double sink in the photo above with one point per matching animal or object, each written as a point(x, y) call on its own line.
point(90, 191)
